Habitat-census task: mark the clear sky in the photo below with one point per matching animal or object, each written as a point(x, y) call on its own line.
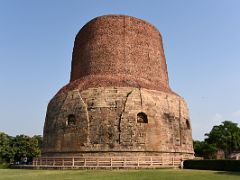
point(201, 42)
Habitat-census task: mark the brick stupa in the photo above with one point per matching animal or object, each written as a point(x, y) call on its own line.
point(118, 102)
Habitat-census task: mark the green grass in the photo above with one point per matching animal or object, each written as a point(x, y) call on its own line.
point(163, 174)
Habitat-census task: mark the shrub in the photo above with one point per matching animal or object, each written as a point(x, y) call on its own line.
point(4, 166)
point(220, 165)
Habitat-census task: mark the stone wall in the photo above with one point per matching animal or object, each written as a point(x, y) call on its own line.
point(112, 119)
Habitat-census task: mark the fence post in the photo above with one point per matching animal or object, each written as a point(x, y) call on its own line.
point(111, 162)
point(138, 161)
point(63, 162)
point(84, 162)
point(73, 163)
point(151, 161)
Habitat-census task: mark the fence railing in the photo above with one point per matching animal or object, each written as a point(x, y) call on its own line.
point(108, 162)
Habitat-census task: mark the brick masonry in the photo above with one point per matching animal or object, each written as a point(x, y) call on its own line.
point(118, 101)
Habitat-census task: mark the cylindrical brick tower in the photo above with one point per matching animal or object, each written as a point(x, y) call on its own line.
point(118, 102)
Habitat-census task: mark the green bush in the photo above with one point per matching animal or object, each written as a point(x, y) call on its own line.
point(220, 165)
point(4, 166)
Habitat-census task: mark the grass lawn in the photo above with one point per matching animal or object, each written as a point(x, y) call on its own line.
point(162, 174)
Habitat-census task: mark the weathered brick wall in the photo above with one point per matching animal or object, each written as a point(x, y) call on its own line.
point(116, 46)
point(106, 120)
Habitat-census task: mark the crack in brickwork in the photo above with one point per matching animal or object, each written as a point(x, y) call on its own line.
point(87, 116)
point(120, 116)
point(140, 96)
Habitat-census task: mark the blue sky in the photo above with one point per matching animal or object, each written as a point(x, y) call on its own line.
point(201, 42)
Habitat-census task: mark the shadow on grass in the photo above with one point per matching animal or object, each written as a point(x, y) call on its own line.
point(228, 173)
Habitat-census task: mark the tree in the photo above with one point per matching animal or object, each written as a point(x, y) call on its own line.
point(39, 139)
point(209, 151)
point(225, 137)
point(13, 149)
point(6, 152)
point(25, 146)
point(205, 150)
point(198, 148)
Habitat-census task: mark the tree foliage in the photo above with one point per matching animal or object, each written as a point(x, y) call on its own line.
point(13, 149)
point(205, 150)
point(225, 136)
point(6, 152)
